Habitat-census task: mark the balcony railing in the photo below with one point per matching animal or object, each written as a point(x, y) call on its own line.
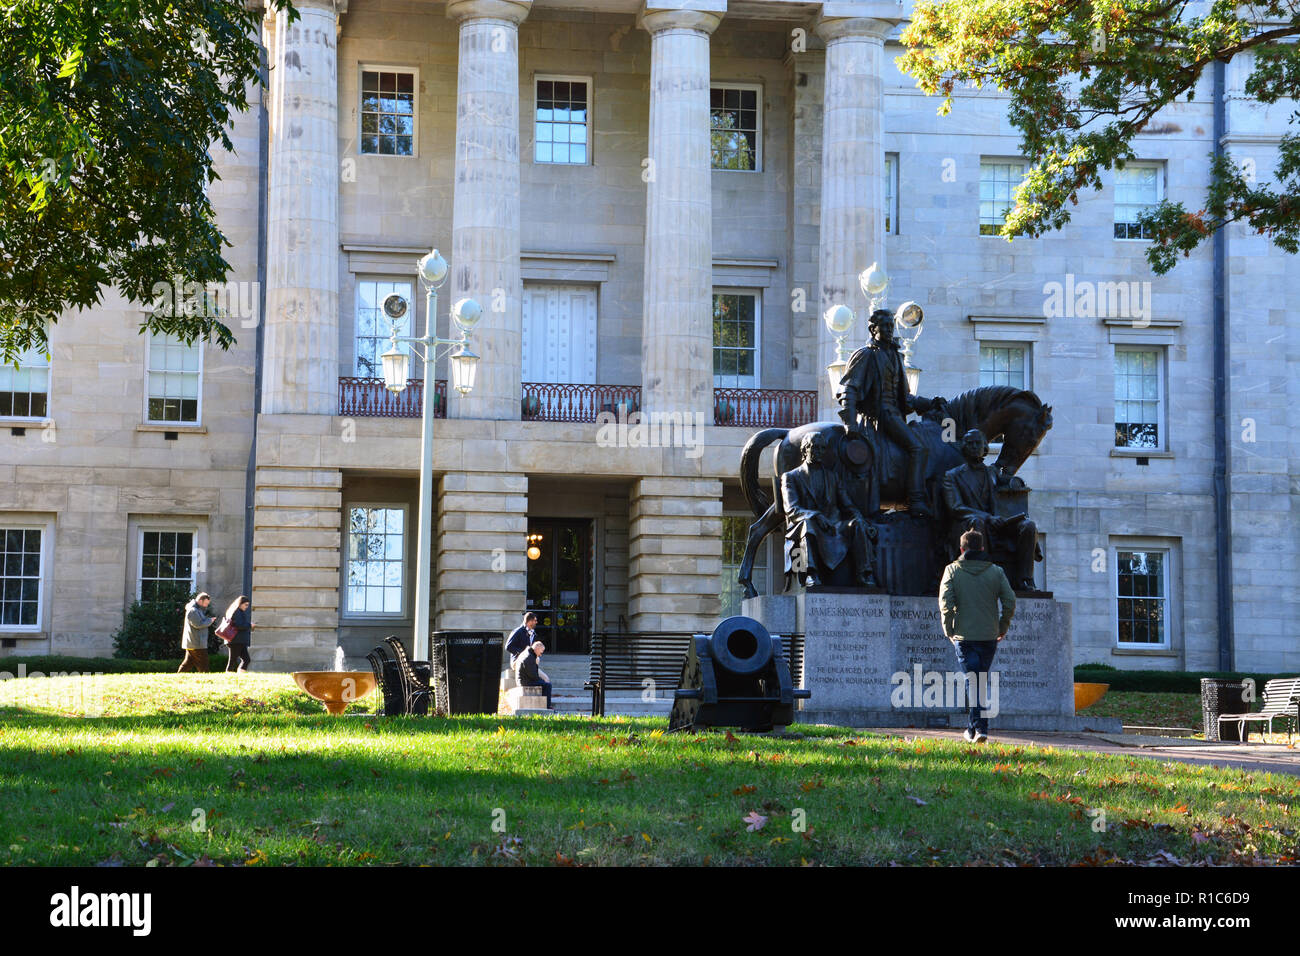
point(368, 398)
point(549, 402)
point(763, 407)
point(546, 402)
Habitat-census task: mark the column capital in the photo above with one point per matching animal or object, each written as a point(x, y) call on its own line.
point(702, 16)
point(830, 29)
point(513, 10)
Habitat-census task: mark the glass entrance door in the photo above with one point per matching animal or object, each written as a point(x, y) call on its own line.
point(559, 582)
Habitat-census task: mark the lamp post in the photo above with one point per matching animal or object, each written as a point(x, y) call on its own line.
point(839, 319)
point(908, 319)
point(432, 270)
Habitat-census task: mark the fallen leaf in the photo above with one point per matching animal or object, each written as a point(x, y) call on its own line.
point(755, 820)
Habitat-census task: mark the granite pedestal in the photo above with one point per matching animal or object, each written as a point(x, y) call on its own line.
point(880, 660)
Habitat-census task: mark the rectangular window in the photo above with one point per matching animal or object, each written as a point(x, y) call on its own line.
point(373, 327)
point(376, 563)
point(736, 126)
point(735, 339)
point(891, 194)
point(175, 374)
point(735, 534)
point(1139, 398)
point(1142, 593)
point(166, 561)
point(25, 390)
point(20, 578)
point(1004, 364)
point(388, 112)
point(1139, 188)
point(999, 179)
point(562, 128)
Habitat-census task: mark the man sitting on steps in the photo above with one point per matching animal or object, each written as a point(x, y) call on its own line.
point(529, 674)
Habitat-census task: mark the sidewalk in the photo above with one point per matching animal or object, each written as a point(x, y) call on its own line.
point(1270, 758)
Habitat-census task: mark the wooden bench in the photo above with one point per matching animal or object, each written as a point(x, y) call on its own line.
point(1280, 700)
point(628, 661)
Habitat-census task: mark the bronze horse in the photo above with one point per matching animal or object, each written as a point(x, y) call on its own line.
point(1015, 416)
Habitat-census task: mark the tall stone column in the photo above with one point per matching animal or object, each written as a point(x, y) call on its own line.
point(853, 176)
point(677, 323)
point(300, 365)
point(803, 209)
point(485, 208)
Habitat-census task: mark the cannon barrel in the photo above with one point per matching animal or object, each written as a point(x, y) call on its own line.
point(737, 676)
point(741, 646)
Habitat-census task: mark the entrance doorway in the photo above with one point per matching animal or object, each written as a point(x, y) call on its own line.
point(559, 582)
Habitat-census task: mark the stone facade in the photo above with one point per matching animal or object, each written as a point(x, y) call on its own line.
point(337, 217)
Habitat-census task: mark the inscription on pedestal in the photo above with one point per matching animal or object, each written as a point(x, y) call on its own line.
point(882, 660)
point(846, 648)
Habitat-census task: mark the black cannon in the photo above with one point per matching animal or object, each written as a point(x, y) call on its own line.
point(736, 677)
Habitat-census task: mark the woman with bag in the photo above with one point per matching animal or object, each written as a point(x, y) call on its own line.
point(237, 631)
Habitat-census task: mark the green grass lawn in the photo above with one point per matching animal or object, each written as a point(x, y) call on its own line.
point(246, 770)
point(1150, 710)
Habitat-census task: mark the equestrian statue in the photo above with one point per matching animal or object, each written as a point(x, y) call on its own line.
point(924, 479)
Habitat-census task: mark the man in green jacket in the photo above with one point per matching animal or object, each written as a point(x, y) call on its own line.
point(969, 594)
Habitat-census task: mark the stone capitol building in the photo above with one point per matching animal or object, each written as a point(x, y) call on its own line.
point(655, 203)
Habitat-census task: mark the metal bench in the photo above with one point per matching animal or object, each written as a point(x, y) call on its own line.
point(1281, 699)
point(394, 700)
point(413, 690)
point(628, 661)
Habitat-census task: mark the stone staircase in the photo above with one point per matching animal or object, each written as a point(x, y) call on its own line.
point(568, 672)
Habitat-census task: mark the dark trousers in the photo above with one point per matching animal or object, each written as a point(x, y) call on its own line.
point(544, 684)
point(238, 658)
point(196, 659)
point(975, 658)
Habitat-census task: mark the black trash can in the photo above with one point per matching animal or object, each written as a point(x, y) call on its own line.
point(1221, 696)
point(393, 703)
point(467, 670)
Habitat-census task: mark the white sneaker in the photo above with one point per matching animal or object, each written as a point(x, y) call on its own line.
point(981, 738)
point(968, 735)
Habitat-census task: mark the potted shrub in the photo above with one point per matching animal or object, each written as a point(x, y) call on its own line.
point(531, 406)
point(724, 412)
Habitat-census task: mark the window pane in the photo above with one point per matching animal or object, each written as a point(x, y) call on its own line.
point(734, 121)
point(388, 113)
point(1138, 396)
point(560, 118)
point(20, 577)
point(376, 555)
point(1138, 190)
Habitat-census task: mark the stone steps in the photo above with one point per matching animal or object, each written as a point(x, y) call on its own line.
point(568, 672)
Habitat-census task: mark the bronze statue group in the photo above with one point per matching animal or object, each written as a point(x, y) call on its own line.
point(831, 481)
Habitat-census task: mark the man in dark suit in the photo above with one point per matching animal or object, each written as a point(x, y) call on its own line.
point(875, 389)
point(970, 492)
point(522, 637)
point(822, 522)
